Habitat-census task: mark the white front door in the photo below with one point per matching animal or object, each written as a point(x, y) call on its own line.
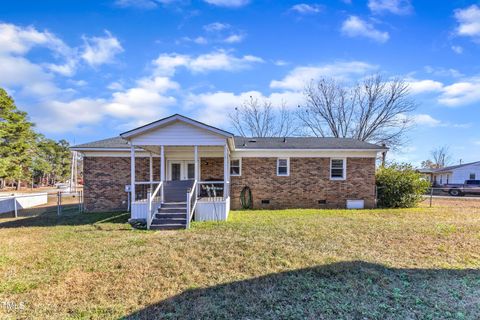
point(181, 170)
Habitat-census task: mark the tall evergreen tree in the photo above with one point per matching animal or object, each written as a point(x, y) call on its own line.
point(17, 141)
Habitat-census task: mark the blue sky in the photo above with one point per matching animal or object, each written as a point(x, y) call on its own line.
point(86, 70)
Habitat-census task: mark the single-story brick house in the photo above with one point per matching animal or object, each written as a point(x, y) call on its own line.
point(175, 169)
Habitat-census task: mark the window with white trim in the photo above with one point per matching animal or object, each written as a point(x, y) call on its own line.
point(236, 167)
point(283, 167)
point(337, 169)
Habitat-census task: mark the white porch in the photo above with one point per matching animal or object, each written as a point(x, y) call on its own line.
point(183, 191)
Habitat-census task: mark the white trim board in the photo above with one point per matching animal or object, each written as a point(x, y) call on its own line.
point(235, 154)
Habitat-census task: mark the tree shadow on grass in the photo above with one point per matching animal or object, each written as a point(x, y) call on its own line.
point(67, 218)
point(346, 290)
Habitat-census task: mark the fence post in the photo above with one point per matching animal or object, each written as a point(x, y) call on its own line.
point(59, 195)
point(431, 196)
point(15, 206)
point(79, 201)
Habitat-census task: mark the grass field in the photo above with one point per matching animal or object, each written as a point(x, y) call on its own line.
point(293, 264)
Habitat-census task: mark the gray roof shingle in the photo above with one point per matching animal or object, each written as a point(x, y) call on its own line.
point(303, 143)
point(445, 169)
point(109, 143)
point(259, 143)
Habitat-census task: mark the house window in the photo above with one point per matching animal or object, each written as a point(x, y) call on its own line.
point(236, 167)
point(337, 169)
point(472, 176)
point(283, 167)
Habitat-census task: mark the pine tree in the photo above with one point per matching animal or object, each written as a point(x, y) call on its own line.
point(17, 141)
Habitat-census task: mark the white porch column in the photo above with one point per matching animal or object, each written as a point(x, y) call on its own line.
point(151, 172)
point(225, 172)
point(195, 149)
point(132, 172)
point(162, 163)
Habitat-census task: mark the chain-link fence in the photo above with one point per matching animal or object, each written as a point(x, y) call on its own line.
point(42, 203)
point(456, 196)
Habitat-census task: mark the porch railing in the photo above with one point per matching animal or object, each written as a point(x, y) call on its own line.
point(150, 198)
point(191, 204)
point(142, 188)
point(214, 189)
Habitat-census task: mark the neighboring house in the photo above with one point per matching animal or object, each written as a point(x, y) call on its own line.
point(452, 174)
point(178, 154)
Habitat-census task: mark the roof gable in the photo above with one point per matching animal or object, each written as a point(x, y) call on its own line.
point(170, 120)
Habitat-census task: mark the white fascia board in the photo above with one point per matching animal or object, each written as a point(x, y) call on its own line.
point(102, 149)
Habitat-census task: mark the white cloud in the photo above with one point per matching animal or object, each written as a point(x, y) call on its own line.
point(166, 64)
point(443, 72)
point(197, 40)
point(423, 86)
point(148, 100)
point(280, 63)
point(426, 120)
point(468, 21)
point(399, 7)
point(356, 27)
point(457, 49)
point(19, 40)
point(300, 76)
point(228, 3)
point(143, 4)
point(461, 93)
point(234, 38)
point(304, 8)
point(116, 85)
point(101, 50)
point(18, 72)
point(216, 26)
point(61, 116)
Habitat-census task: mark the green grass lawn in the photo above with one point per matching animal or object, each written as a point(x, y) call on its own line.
point(292, 264)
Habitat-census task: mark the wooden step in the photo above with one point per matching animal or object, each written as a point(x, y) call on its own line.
point(167, 226)
point(174, 205)
point(165, 220)
point(177, 214)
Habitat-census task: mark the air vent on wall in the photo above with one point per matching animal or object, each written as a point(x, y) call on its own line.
point(323, 201)
point(266, 201)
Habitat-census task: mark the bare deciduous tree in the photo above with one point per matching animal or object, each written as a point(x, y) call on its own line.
point(373, 110)
point(441, 156)
point(255, 118)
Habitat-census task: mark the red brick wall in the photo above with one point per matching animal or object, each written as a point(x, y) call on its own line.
point(308, 182)
point(211, 168)
point(105, 179)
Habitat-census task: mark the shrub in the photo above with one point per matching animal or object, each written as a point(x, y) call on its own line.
point(399, 186)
